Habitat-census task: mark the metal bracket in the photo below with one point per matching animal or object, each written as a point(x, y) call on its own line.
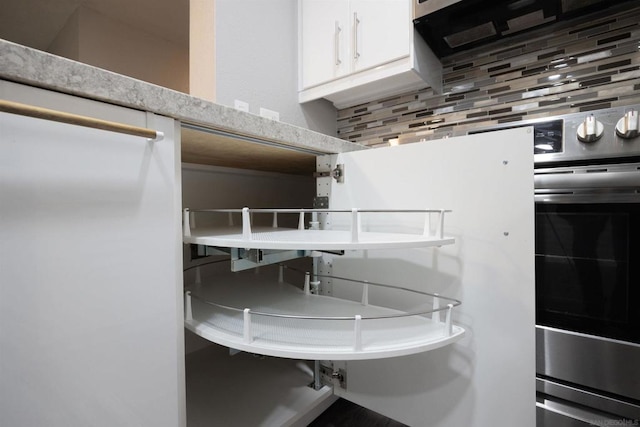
point(337, 173)
point(321, 202)
point(202, 251)
point(244, 259)
point(337, 377)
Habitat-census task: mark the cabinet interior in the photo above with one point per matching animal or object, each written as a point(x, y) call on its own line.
point(220, 148)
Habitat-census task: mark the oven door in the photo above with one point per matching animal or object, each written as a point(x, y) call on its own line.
point(559, 405)
point(588, 278)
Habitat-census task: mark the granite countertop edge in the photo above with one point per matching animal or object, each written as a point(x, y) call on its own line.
point(30, 66)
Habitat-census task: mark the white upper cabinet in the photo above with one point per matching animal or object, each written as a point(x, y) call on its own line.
point(381, 31)
point(353, 51)
point(325, 40)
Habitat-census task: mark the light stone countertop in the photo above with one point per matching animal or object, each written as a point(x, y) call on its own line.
point(36, 68)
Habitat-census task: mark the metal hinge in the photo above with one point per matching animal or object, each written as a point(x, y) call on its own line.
point(335, 377)
point(337, 173)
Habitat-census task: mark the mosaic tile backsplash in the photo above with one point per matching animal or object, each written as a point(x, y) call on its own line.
point(587, 64)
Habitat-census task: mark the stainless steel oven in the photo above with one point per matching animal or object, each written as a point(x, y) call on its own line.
point(587, 201)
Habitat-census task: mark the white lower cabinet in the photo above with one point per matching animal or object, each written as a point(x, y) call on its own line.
point(92, 304)
point(90, 267)
point(365, 314)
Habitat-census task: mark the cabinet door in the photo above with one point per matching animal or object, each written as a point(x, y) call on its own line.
point(325, 36)
point(381, 31)
point(487, 182)
point(90, 269)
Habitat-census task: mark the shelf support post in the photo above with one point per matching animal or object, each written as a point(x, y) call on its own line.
point(357, 345)
point(246, 224)
point(186, 225)
point(440, 226)
point(317, 384)
point(307, 282)
point(301, 221)
point(315, 224)
point(355, 225)
point(365, 294)
point(275, 220)
point(247, 326)
point(448, 330)
point(435, 316)
point(188, 311)
point(198, 279)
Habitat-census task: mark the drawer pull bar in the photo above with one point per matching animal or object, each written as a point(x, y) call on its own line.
point(74, 119)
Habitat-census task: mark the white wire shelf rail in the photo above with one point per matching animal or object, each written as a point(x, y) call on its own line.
point(268, 316)
point(352, 237)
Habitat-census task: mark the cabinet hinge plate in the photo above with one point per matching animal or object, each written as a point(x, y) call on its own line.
point(321, 203)
point(335, 377)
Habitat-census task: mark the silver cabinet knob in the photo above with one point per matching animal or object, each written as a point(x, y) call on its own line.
point(627, 127)
point(590, 130)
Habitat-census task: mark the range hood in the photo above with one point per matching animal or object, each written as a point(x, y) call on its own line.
point(450, 26)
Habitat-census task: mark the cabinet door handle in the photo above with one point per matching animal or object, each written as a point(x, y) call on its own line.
point(336, 43)
point(73, 119)
point(356, 23)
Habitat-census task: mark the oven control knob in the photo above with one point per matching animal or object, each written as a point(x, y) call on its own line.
point(590, 130)
point(627, 126)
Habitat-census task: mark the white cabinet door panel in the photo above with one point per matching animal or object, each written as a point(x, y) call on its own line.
point(90, 271)
point(325, 40)
point(382, 31)
point(487, 378)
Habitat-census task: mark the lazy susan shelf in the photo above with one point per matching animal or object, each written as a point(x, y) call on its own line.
point(249, 236)
point(265, 315)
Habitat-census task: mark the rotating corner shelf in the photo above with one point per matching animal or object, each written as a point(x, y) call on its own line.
point(248, 236)
point(262, 315)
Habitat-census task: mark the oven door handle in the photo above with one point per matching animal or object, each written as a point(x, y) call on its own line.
point(608, 179)
point(565, 409)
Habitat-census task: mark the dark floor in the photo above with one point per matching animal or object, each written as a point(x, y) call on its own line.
point(344, 413)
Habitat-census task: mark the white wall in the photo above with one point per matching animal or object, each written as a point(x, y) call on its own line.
point(256, 62)
point(95, 39)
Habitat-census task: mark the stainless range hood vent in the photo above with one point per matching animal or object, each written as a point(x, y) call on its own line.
point(525, 22)
point(472, 35)
point(450, 26)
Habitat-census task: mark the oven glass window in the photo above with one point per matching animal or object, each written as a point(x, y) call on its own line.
point(586, 268)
